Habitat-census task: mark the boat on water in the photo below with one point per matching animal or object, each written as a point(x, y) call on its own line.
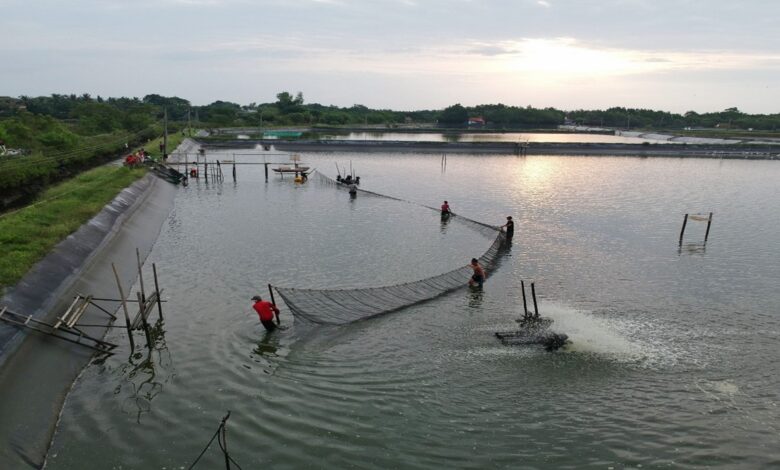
point(296, 167)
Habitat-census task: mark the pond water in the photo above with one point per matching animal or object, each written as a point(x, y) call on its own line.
point(673, 361)
point(496, 137)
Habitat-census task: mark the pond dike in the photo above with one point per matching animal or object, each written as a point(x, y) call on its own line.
point(741, 151)
point(37, 371)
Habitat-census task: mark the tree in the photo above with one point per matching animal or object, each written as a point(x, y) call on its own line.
point(287, 104)
point(455, 114)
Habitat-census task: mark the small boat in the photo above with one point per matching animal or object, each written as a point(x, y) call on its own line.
point(295, 168)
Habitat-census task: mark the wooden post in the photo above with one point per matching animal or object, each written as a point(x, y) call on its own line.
point(533, 294)
point(124, 307)
point(142, 308)
point(157, 291)
point(224, 440)
point(140, 274)
point(685, 221)
point(266, 171)
point(707, 233)
point(206, 169)
point(525, 305)
point(273, 301)
point(165, 135)
point(234, 167)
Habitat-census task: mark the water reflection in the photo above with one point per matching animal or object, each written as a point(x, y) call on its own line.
point(145, 373)
point(267, 346)
point(445, 221)
point(476, 295)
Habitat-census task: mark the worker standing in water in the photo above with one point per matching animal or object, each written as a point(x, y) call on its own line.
point(510, 228)
point(478, 278)
point(266, 310)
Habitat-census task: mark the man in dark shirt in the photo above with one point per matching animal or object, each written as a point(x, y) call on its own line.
point(510, 228)
point(266, 310)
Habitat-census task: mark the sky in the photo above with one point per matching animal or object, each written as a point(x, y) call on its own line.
point(401, 54)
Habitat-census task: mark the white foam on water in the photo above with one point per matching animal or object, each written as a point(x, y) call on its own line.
point(718, 389)
point(616, 339)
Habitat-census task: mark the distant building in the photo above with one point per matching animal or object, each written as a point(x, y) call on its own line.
point(476, 121)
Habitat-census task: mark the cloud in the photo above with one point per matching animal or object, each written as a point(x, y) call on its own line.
point(543, 3)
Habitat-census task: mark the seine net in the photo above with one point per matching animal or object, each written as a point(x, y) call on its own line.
point(341, 306)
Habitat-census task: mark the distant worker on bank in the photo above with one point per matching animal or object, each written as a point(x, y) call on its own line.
point(445, 208)
point(478, 278)
point(266, 310)
point(510, 228)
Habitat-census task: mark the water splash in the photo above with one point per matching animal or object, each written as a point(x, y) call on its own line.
point(617, 339)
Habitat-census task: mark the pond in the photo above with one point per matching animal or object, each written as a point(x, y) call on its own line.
point(672, 363)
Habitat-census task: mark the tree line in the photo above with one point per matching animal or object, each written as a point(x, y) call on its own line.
point(67, 118)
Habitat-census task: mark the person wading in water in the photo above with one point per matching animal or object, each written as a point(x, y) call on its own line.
point(479, 274)
point(510, 228)
point(266, 310)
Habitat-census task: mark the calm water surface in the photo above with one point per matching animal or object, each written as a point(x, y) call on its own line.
point(673, 361)
point(495, 137)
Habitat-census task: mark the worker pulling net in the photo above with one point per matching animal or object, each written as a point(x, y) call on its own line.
point(341, 306)
point(485, 229)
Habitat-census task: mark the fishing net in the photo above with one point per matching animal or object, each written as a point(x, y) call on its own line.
point(341, 306)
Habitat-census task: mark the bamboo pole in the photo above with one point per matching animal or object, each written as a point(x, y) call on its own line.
point(140, 274)
point(270, 289)
point(124, 307)
point(533, 294)
point(707, 233)
point(141, 311)
point(157, 291)
point(525, 305)
point(682, 232)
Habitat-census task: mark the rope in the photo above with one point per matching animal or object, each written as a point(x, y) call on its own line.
point(221, 437)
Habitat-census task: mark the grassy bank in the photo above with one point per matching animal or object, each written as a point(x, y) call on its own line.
point(153, 146)
point(27, 235)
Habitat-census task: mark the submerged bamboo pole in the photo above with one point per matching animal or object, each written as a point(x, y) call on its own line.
point(682, 232)
point(707, 233)
point(533, 294)
point(525, 305)
point(141, 311)
point(140, 274)
point(157, 291)
point(124, 307)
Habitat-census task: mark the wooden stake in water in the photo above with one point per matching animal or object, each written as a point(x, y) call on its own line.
point(682, 232)
point(707, 233)
point(142, 312)
point(525, 305)
point(157, 291)
point(124, 307)
point(533, 294)
point(140, 275)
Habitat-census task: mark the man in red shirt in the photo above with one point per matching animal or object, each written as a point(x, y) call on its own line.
point(266, 310)
point(445, 208)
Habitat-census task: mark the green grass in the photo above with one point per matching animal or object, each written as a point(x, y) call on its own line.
point(153, 146)
point(27, 235)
